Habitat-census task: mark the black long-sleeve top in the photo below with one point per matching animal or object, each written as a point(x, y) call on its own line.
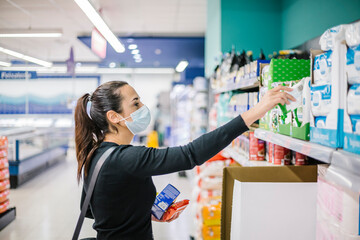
point(124, 192)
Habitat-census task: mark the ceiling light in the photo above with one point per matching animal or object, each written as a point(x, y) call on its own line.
point(60, 69)
point(135, 51)
point(29, 33)
point(130, 40)
point(157, 51)
point(139, 60)
point(99, 23)
point(137, 56)
point(132, 46)
point(112, 65)
point(24, 57)
point(181, 66)
point(5, 64)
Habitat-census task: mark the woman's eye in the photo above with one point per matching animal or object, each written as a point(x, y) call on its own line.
point(137, 104)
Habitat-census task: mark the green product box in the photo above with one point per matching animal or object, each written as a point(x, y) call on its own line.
point(302, 132)
point(285, 70)
point(284, 124)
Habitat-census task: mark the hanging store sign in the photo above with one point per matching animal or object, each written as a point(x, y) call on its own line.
point(18, 75)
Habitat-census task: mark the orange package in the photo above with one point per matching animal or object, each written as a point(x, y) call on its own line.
point(4, 206)
point(3, 153)
point(177, 207)
point(211, 232)
point(4, 173)
point(4, 195)
point(4, 184)
point(4, 163)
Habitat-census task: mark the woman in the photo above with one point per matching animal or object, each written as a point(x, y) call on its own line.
point(124, 192)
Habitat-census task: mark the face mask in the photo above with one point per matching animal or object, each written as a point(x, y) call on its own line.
point(141, 120)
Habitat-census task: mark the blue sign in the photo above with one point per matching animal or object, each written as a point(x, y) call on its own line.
point(18, 75)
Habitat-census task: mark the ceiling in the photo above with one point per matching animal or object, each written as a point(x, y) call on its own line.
point(152, 23)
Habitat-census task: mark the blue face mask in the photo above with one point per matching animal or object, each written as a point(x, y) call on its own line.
point(141, 120)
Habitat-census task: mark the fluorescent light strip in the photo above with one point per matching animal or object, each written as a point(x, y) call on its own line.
point(29, 35)
point(99, 23)
point(93, 70)
point(5, 64)
point(25, 57)
point(181, 66)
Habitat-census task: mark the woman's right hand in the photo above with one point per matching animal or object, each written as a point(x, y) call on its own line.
point(269, 100)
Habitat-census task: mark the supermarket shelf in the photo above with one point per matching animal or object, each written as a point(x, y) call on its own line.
point(243, 160)
point(345, 170)
point(316, 151)
point(243, 84)
point(7, 217)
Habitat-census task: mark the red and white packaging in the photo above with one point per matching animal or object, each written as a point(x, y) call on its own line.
point(282, 156)
point(4, 206)
point(4, 184)
point(3, 153)
point(4, 163)
point(175, 208)
point(271, 152)
point(299, 159)
point(4, 173)
point(4, 195)
point(257, 148)
point(3, 142)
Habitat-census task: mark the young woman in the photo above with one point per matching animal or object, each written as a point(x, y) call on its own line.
point(124, 191)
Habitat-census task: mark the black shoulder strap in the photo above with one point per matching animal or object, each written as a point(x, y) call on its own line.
point(90, 190)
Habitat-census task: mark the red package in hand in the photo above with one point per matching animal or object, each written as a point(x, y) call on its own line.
point(177, 207)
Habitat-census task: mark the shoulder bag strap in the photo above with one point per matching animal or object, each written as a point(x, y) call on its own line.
point(90, 190)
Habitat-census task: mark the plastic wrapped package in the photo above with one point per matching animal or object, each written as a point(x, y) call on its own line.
point(211, 232)
point(4, 184)
point(321, 99)
point(175, 208)
point(210, 183)
point(353, 100)
point(352, 34)
point(4, 206)
point(4, 163)
point(4, 174)
point(353, 64)
point(4, 195)
point(329, 37)
point(211, 212)
point(322, 68)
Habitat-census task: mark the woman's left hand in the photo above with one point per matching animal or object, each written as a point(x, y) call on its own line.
point(176, 215)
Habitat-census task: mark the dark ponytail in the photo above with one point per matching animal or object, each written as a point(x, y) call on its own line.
point(90, 132)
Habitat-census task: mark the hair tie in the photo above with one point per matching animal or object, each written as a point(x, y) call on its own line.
point(88, 108)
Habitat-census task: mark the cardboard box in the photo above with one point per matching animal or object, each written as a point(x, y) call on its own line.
point(276, 174)
point(285, 70)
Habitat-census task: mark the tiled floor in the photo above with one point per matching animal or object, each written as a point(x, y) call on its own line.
point(47, 207)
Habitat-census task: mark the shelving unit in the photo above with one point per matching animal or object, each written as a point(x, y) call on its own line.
point(243, 84)
point(316, 151)
point(243, 160)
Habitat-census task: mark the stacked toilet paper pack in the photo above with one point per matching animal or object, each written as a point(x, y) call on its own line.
point(328, 83)
point(337, 210)
point(352, 96)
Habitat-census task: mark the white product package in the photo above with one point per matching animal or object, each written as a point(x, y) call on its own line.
point(321, 100)
point(353, 64)
point(322, 68)
point(353, 100)
point(328, 39)
point(352, 34)
point(297, 91)
point(266, 75)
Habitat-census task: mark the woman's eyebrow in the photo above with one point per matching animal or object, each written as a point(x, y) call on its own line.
point(135, 99)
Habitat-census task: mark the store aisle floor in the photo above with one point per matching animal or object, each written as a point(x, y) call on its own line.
point(47, 207)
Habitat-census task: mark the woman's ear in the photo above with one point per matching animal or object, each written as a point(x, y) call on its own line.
point(113, 117)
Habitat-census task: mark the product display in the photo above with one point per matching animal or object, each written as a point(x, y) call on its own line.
point(164, 200)
point(175, 208)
